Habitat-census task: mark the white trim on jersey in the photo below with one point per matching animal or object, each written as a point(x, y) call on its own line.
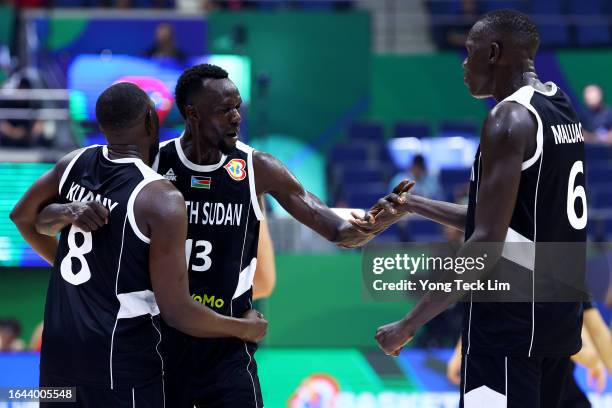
point(248, 364)
point(147, 172)
point(133, 399)
point(469, 337)
point(465, 363)
point(155, 164)
point(535, 236)
point(193, 166)
point(161, 358)
point(69, 167)
point(120, 161)
point(116, 292)
point(149, 176)
point(251, 375)
point(506, 376)
point(130, 208)
point(134, 304)
point(245, 279)
point(553, 89)
point(523, 255)
point(254, 201)
point(523, 97)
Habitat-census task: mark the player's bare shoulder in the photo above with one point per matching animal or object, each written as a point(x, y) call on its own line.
point(510, 125)
point(158, 201)
point(510, 119)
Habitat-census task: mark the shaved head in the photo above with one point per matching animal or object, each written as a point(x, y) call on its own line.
point(510, 28)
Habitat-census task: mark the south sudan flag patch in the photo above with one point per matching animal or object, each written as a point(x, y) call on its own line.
point(201, 182)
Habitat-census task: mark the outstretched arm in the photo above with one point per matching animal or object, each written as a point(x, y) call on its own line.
point(160, 214)
point(508, 138)
point(400, 202)
point(274, 178)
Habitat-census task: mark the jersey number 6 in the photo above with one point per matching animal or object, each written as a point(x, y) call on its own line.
point(576, 192)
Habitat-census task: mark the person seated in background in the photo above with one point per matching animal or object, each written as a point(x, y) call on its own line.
point(165, 44)
point(10, 329)
point(427, 184)
point(596, 116)
point(21, 132)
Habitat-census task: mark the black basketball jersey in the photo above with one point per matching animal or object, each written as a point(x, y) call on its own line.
point(550, 207)
point(101, 322)
point(223, 224)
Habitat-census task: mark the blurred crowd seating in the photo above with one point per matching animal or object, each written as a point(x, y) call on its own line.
point(205, 4)
point(562, 23)
point(360, 168)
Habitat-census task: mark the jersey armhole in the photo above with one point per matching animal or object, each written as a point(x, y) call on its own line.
point(254, 201)
point(68, 168)
point(130, 208)
point(524, 100)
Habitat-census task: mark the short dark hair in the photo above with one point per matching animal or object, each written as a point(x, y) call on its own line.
point(519, 26)
point(191, 81)
point(120, 106)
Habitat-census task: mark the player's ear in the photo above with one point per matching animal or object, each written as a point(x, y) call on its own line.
point(494, 52)
point(191, 113)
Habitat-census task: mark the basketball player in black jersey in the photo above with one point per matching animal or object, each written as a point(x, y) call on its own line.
point(108, 287)
point(527, 186)
point(223, 181)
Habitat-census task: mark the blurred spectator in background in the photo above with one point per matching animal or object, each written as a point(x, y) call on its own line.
point(21, 132)
point(596, 116)
point(36, 340)
point(427, 185)
point(165, 45)
point(10, 329)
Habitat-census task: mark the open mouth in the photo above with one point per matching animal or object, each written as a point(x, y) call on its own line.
point(232, 135)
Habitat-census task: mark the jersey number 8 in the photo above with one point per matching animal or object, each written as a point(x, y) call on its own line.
point(78, 252)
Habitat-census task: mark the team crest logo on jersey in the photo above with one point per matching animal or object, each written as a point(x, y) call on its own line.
point(170, 175)
point(201, 182)
point(236, 168)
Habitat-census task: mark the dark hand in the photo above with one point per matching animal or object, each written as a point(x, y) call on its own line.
point(353, 237)
point(258, 326)
point(88, 216)
point(385, 212)
point(392, 337)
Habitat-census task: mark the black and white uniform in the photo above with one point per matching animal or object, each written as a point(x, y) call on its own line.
point(221, 250)
point(516, 354)
point(102, 327)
